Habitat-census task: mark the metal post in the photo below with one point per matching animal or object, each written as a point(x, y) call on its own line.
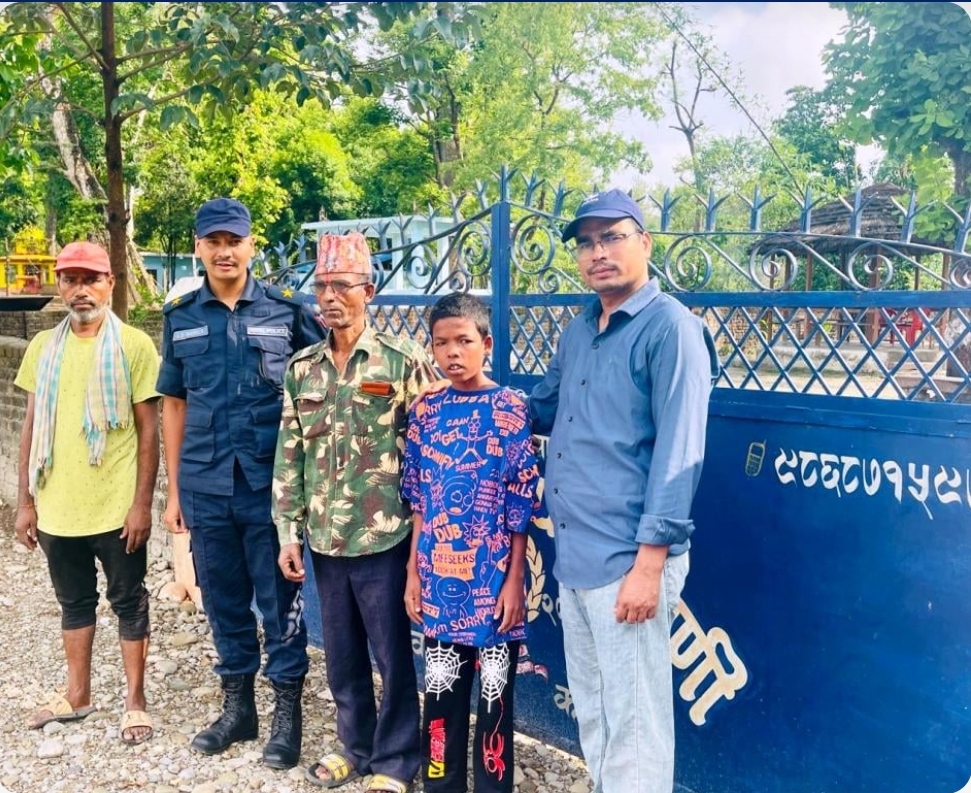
point(500, 257)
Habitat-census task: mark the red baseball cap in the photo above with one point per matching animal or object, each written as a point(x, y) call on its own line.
point(83, 256)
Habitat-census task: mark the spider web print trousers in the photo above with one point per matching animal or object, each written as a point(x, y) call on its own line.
point(450, 672)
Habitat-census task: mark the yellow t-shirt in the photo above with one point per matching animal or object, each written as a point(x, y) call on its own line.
point(79, 499)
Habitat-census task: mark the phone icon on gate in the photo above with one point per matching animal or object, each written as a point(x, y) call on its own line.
point(754, 458)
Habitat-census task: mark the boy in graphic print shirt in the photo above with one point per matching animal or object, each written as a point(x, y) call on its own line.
point(470, 476)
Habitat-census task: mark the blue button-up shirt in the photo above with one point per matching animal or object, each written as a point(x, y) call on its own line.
point(228, 365)
point(626, 411)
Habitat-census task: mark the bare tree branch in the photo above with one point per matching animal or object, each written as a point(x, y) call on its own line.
point(734, 97)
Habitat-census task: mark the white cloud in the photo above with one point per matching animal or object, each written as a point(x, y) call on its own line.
point(772, 47)
point(776, 45)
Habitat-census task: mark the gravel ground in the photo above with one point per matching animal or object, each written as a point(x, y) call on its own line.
point(184, 696)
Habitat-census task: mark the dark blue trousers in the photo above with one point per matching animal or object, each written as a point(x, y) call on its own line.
point(234, 551)
point(362, 603)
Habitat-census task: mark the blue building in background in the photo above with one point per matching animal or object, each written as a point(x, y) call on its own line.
point(165, 271)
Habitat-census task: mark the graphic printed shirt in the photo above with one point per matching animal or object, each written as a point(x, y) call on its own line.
point(471, 473)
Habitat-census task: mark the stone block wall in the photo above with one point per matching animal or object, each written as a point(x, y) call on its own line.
point(13, 403)
point(27, 324)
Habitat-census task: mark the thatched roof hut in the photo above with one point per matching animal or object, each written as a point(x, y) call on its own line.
point(836, 231)
point(833, 229)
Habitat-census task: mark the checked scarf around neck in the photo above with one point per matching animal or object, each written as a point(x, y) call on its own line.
point(107, 401)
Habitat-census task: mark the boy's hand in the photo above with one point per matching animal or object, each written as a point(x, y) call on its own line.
point(413, 597)
point(510, 605)
point(172, 517)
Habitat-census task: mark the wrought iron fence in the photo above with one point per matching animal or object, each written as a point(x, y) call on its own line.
point(848, 298)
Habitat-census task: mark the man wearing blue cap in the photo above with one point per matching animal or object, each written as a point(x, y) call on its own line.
point(626, 393)
point(224, 350)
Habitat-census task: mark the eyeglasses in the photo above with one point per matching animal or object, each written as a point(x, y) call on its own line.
point(74, 281)
point(339, 287)
point(585, 247)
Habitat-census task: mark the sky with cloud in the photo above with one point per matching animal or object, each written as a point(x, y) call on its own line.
point(772, 47)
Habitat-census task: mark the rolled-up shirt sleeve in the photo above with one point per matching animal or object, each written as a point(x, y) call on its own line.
point(681, 376)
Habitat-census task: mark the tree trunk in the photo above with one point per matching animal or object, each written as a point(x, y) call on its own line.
point(78, 171)
point(116, 214)
point(446, 148)
point(446, 151)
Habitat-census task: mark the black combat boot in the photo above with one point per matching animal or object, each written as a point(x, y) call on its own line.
point(238, 720)
point(286, 735)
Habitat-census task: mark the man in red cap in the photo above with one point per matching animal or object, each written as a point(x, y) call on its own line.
point(89, 457)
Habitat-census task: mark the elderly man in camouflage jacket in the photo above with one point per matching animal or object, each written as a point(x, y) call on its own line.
point(335, 486)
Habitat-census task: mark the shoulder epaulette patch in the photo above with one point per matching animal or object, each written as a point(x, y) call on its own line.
point(287, 294)
point(180, 300)
point(307, 352)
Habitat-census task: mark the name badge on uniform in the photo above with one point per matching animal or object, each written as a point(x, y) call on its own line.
point(257, 330)
point(190, 333)
point(376, 388)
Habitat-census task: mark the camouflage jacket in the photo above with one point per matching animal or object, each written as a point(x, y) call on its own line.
point(337, 469)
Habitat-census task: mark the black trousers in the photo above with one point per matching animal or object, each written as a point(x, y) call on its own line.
point(70, 561)
point(234, 552)
point(450, 671)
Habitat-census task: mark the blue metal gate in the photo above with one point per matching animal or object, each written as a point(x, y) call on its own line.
point(824, 638)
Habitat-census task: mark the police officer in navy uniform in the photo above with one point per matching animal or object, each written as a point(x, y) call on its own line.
point(225, 347)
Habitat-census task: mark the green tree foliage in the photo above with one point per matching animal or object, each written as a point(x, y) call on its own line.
point(291, 165)
point(314, 170)
point(391, 163)
point(182, 61)
point(539, 90)
point(811, 125)
point(902, 74)
point(68, 215)
point(931, 177)
point(167, 194)
point(734, 168)
point(19, 206)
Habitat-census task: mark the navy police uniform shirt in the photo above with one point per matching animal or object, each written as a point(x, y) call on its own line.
point(228, 365)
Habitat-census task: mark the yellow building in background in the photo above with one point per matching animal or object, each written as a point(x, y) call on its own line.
point(27, 268)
